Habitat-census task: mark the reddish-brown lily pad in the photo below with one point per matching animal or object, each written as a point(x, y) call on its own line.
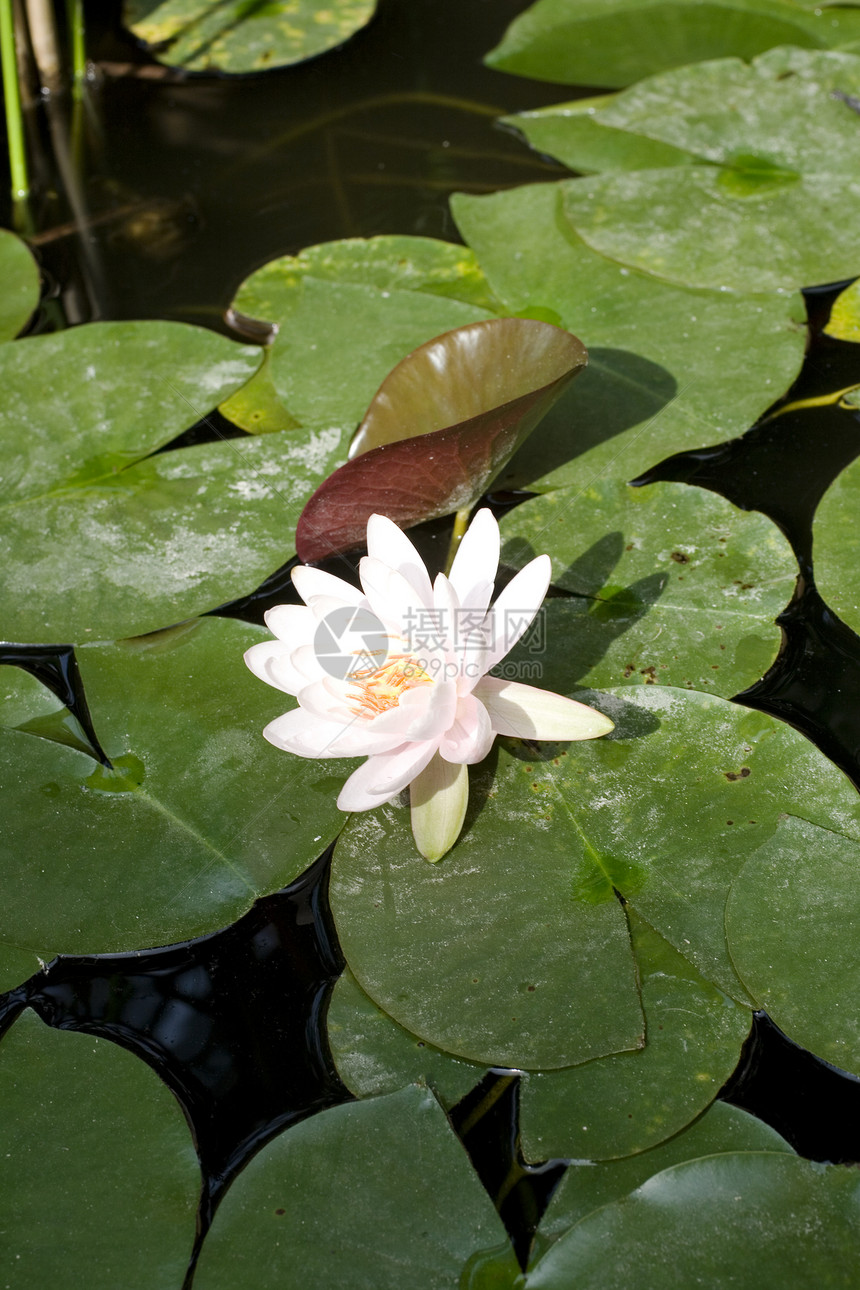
point(441, 427)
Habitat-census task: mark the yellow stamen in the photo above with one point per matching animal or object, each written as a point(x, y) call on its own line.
point(381, 689)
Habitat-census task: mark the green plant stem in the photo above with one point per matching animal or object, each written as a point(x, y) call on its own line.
point(77, 46)
point(461, 523)
point(12, 101)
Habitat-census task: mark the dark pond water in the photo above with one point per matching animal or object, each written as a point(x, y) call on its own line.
point(193, 183)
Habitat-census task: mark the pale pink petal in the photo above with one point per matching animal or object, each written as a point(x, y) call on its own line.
point(390, 545)
point(307, 735)
point(447, 616)
point(312, 584)
point(293, 624)
point(383, 776)
point(306, 661)
point(514, 611)
point(474, 569)
point(424, 712)
point(270, 661)
point(471, 735)
point(391, 596)
point(530, 713)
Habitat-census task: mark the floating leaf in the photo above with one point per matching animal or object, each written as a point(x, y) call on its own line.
point(198, 816)
point(844, 323)
point(772, 138)
point(837, 546)
point(658, 355)
point(78, 1211)
point(682, 587)
point(616, 42)
point(745, 1219)
point(20, 276)
point(483, 954)
point(441, 427)
point(374, 1055)
point(575, 134)
point(450, 951)
point(586, 1187)
point(169, 537)
point(349, 311)
point(626, 1103)
point(209, 35)
point(256, 407)
point(791, 922)
point(373, 1194)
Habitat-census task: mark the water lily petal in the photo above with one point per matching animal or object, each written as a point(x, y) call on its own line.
point(390, 545)
point(294, 624)
point(270, 661)
point(311, 584)
point(474, 569)
point(424, 712)
point(527, 712)
point(383, 776)
point(307, 735)
point(514, 611)
point(447, 616)
point(471, 735)
point(438, 798)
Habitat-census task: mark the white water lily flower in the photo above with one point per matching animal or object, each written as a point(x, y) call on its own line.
point(398, 672)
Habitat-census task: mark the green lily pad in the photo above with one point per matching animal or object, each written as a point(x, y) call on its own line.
point(586, 1186)
point(772, 137)
point(791, 923)
point(209, 35)
point(482, 954)
point(256, 407)
point(76, 1210)
point(837, 546)
point(746, 1219)
point(616, 42)
point(628, 1102)
point(166, 538)
point(659, 356)
point(449, 951)
point(575, 134)
point(81, 405)
point(683, 587)
point(844, 323)
point(349, 311)
point(372, 1194)
point(374, 1055)
point(20, 276)
point(197, 818)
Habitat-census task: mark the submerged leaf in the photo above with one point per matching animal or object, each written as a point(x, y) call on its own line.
point(98, 1174)
point(441, 427)
point(210, 35)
